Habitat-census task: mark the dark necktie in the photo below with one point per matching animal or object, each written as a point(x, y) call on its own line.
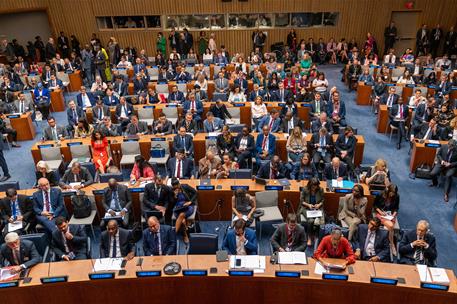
point(155, 247)
point(116, 201)
point(14, 209)
point(75, 116)
point(449, 155)
point(178, 173)
point(114, 255)
point(418, 256)
point(46, 201)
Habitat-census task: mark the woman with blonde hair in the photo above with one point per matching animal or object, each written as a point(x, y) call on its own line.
point(296, 145)
point(43, 170)
point(378, 175)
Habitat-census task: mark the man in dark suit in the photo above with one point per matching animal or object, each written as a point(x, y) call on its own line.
point(17, 207)
point(184, 141)
point(318, 106)
point(180, 166)
point(256, 92)
point(272, 169)
point(449, 42)
point(69, 241)
point(176, 96)
point(418, 246)
point(429, 130)
point(289, 122)
point(74, 113)
point(48, 204)
point(390, 98)
point(244, 147)
point(76, 174)
point(156, 197)
point(20, 254)
point(23, 105)
point(373, 243)
point(240, 240)
point(120, 87)
point(289, 236)
point(137, 127)
point(322, 142)
point(85, 99)
point(335, 170)
point(110, 100)
point(422, 40)
point(99, 111)
point(281, 95)
point(265, 145)
point(116, 242)
point(390, 33)
point(158, 239)
point(445, 163)
point(435, 39)
point(345, 146)
point(164, 75)
point(322, 122)
point(162, 126)
point(54, 131)
point(124, 112)
point(194, 106)
point(42, 100)
point(398, 115)
point(219, 110)
point(272, 122)
point(188, 123)
point(140, 83)
point(108, 128)
point(63, 45)
point(212, 124)
point(241, 82)
point(117, 202)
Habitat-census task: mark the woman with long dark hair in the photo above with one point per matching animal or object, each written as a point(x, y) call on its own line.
point(312, 199)
point(142, 170)
point(386, 208)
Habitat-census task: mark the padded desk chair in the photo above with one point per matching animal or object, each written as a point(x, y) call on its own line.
point(203, 243)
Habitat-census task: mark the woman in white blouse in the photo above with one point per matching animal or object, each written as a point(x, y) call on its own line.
point(212, 42)
point(201, 81)
point(320, 84)
point(124, 64)
point(236, 95)
point(258, 110)
point(406, 78)
point(416, 99)
point(208, 56)
point(240, 64)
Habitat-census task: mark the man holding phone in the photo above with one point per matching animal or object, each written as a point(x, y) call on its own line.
point(239, 240)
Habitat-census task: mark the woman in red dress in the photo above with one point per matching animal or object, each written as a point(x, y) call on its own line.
point(100, 152)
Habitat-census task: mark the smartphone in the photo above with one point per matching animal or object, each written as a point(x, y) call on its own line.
point(401, 280)
point(350, 270)
point(305, 273)
point(27, 280)
point(139, 262)
point(124, 262)
point(122, 272)
point(238, 262)
point(213, 270)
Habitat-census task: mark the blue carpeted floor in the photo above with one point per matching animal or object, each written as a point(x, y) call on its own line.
point(418, 201)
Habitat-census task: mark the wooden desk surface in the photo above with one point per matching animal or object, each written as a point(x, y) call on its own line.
point(420, 154)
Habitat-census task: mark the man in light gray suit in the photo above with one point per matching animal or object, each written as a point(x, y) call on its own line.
point(222, 87)
point(54, 131)
point(289, 236)
point(136, 127)
point(86, 65)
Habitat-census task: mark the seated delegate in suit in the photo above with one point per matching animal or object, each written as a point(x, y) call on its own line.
point(398, 115)
point(291, 107)
point(334, 246)
point(290, 122)
point(194, 106)
point(116, 242)
point(318, 106)
point(445, 164)
point(123, 112)
point(158, 239)
point(156, 197)
point(212, 124)
point(176, 96)
point(272, 169)
point(336, 111)
point(418, 246)
point(117, 202)
point(311, 199)
point(110, 100)
point(265, 145)
point(85, 99)
point(353, 210)
point(296, 145)
point(137, 127)
point(48, 204)
point(42, 100)
point(372, 244)
point(188, 123)
point(43, 170)
point(256, 92)
point(322, 122)
point(220, 110)
point(184, 199)
point(335, 170)
point(429, 131)
point(240, 240)
point(53, 131)
point(209, 165)
point(225, 142)
point(184, 141)
point(180, 166)
point(272, 122)
point(281, 95)
point(304, 169)
point(20, 254)
point(69, 241)
point(162, 126)
point(322, 142)
point(74, 113)
point(244, 147)
point(345, 146)
point(390, 98)
point(99, 112)
point(77, 175)
point(289, 236)
point(17, 208)
point(120, 87)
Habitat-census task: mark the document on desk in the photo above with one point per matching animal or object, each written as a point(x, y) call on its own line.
point(313, 213)
point(439, 275)
point(108, 264)
point(76, 184)
point(434, 142)
point(14, 226)
point(254, 262)
point(213, 134)
point(6, 274)
point(117, 214)
point(337, 184)
point(294, 257)
point(319, 269)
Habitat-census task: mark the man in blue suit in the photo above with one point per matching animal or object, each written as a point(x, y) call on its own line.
point(194, 106)
point(180, 166)
point(120, 87)
point(256, 92)
point(212, 124)
point(373, 243)
point(272, 121)
point(85, 99)
point(239, 240)
point(282, 94)
point(184, 141)
point(42, 100)
point(55, 83)
point(74, 113)
point(48, 205)
point(241, 82)
point(265, 146)
point(110, 100)
point(176, 96)
point(158, 239)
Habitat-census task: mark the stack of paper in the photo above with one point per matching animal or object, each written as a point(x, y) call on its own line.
point(254, 262)
point(14, 226)
point(313, 213)
point(319, 269)
point(294, 257)
point(108, 264)
point(432, 274)
point(5, 274)
point(337, 184)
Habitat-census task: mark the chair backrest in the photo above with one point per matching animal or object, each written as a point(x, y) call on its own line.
point(162, 88)
point(9, 184)
point(424, 90)
point(217, 69)
point(145, 113)
point(130, 148)
point(182, 87)
point(266, 198)
point(398, 90)
point(398, 72)
point(51, 153)
point(234, 112)
point(106, 176)
point(190, 69)
point(211, 144)
point(78, 151)
point(39, 239)
point(236, 128)
point(240, 174)
point(203, 243)
point(171, 112)
point(63, 76)
point(153, 72)
point(427, 72)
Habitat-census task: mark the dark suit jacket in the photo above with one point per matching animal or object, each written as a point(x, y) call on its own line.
point(190, 128)
point(99, 113)
point(114, 101)
point(250, 145)
point(264, 172)
point(84, 177)
point(125, 198)
point(56, 200)
point(315, 139)
point(265, 121)
point(189, 144)
point(254, 94)
point(271, 143)
point(151, 197)
point(140, 85)
point(322, 106)
point(340, 145)
point(284, 127)
point(276, 95)
point(385, 97)
point(47, 133)
point(77, 244)
point(407, 252)
point(29, 255)
point(120, 87)
point(198, 107)
point(442, 155)
point(279, 238)
point(166, 129)
point(381, 243)
point(176, 97)
point(142, 128)
point(187, 167)
point(220, 112)
point(316, 125)
point(125, 242)
point(395, 109)
point(423, 131)
point(341, 110)
point(243, 83)
point(25, 206)
point(329, 174)
point(128, 110)
point(229, 243)
point(167, 241)
point(79, 99)
point(72, 120)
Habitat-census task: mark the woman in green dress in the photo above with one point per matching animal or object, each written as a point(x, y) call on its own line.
point(202, 44)
point(161, 44)
point(306, 63)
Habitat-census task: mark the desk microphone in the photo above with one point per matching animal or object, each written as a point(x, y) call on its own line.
point(93, 265)
point(187, 256)
point(374, 268)
point(139, 262)
point(49, 268)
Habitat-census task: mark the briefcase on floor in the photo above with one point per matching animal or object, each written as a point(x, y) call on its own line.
point(157, 151)
point(423, 171)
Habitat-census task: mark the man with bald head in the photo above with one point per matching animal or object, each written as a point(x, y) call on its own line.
point(48, 204)
point(209, 165)
point(418, 246)
point(116, 242)
point(158, 239)
point(335, 170)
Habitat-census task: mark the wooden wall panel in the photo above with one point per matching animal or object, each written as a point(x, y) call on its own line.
point(356, 17)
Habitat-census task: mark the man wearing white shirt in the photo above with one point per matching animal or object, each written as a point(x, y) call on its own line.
point(116, 242)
